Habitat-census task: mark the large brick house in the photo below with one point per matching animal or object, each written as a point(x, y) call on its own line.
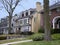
point(54, 16)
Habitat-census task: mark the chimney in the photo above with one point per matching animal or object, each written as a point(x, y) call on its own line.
point(38, 6)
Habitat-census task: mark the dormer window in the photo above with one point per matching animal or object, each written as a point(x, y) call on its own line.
point(23, 15)
point(31, 12)
point(26, 13)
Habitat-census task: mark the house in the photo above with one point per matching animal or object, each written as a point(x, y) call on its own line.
point(3, 26)
point(54, 16)
point(32, 20)
point(29, 20)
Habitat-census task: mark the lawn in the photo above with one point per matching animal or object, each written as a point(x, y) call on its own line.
point(56, 42)
point(12, 40)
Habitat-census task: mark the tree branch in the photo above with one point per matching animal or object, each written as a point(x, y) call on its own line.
point(17, 1)
point(5, 6)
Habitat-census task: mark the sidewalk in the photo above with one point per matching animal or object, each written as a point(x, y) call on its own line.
point(16, 42)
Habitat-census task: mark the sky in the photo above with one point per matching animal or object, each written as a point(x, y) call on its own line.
point(25, 5)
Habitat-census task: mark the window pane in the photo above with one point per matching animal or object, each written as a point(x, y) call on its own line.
point(25, 21)
point(21, 22)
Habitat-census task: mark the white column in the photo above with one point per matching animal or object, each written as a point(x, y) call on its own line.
point(53, 24)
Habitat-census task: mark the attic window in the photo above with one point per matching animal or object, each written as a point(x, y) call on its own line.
point(22, 15)
point(26, 13)
point(31, 12)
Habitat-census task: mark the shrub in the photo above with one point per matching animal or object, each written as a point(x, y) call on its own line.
point(36, 37)
point(41, 30)
point(27, 33)
point(53, 31)
point(2, 37)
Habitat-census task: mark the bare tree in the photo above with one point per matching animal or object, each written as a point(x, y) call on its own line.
point(47, 21)
point(10, 6)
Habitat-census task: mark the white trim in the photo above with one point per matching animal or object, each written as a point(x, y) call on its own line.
point(55, 21)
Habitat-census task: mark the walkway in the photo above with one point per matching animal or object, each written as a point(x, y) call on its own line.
point(16, 42)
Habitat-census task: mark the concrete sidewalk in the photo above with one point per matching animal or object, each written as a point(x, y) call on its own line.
point(16, 42)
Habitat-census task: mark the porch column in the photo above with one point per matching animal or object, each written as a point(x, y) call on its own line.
point(53, 24)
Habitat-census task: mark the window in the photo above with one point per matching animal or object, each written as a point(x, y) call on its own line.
point(12, 25)
point(21, 22)
point(23, 15)
point(15, 14)
point(19, 28)
point(26, 13)
point(31, 12)
point(25, 21)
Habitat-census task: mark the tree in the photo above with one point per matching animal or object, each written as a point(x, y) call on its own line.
point(10, 6)
point(47, 26)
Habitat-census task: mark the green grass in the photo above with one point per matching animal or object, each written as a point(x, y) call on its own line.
point(12, 40)
point(56, 42)
point(56, 36)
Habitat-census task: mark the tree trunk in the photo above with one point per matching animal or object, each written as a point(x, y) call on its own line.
point(10, 17)
point(47, 26)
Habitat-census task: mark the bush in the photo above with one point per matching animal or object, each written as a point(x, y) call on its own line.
point(41, 30)
point(27, 33)
point(53, 31)
point(2, 37)
point(36, 37)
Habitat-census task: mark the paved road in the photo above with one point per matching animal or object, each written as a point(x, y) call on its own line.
point(16, 42)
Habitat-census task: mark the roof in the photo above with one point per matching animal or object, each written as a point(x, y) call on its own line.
point(56, 5)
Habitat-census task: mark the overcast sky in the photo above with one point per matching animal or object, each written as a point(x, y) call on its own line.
point(26, 5)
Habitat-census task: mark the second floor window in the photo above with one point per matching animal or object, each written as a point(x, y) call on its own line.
point(25, 21)
point(21, 22)
point(12, 25)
